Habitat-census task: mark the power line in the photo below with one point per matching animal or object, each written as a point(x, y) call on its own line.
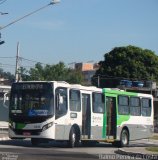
point(2, 65)
point(29, 14)
point(7, 57)
point(11, 65)
point(23, 66)
point(31, 60)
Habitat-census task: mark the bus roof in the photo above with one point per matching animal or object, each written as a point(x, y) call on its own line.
point(123, 92)
point(65, 84)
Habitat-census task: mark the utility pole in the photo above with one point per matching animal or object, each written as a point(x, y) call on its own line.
point(17, 64)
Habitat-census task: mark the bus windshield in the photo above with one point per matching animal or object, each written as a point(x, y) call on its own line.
point(31, 100)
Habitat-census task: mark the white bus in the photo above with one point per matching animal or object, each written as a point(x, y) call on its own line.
point(74, 113)
point(4, 102)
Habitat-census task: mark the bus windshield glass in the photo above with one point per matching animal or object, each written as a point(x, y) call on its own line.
point(31, 100)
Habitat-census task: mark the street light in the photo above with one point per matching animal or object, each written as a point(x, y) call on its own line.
point(54, 1)
point(1, 42)
point(51, 3)
point(3, 13)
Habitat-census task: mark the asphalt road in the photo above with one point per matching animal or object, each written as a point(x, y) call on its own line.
point(23, 150)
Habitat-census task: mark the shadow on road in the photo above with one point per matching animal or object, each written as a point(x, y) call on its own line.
point(51, 144)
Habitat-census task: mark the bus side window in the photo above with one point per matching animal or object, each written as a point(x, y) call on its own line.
point(123, 105)
point(61, 102)
point(98, 103)
point(146, 107)
point(75, 100)
point(135, 108)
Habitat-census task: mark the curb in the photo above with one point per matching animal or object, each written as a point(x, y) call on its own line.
point(137, 154)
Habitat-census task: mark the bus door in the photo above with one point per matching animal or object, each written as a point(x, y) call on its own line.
point(86, 116)
point(111, 117)
point(60, 112)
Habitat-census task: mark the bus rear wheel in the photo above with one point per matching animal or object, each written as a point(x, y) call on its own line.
point(124, 139)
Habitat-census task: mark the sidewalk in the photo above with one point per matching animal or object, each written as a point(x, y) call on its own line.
point(135, 150)
point(139, 151)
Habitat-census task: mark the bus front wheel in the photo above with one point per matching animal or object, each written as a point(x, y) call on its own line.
point(73, 138)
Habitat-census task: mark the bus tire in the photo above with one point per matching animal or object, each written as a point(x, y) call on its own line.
point(73, 138)
point(35, 141)
point(124, 138)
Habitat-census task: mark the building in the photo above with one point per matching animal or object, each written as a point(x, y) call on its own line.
point(84, 66)
point(88, 70)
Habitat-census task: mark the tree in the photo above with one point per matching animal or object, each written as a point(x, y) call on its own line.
point(75, 76)
point(24, 74)
point(129, 62)
point(57, 72)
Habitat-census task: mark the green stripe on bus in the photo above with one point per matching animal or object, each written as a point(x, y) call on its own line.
point(118, 92)
point(104, 126)
point(122, 118)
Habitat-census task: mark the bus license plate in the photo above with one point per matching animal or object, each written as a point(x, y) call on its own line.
point(26, 133)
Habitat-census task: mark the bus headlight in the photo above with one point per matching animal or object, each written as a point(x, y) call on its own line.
point(45, 127)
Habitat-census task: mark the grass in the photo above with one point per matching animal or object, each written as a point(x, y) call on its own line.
point(155, 137)
point(153, 149)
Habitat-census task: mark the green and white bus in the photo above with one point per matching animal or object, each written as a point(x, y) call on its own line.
point(60, 111)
